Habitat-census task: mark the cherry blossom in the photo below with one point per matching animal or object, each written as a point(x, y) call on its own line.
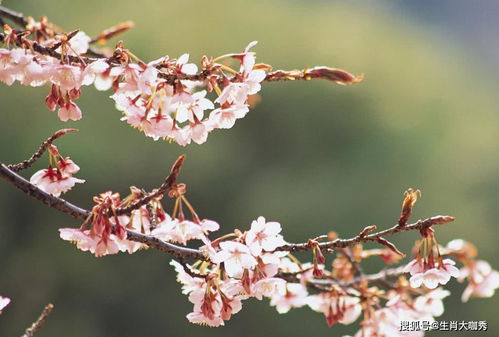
point(337, 309)
point(292, 295)
point(53, 182)
point(264, 236)
point(183, 230)
point(236, 257)
point(82, 239)
point(431, 303)
point(69, 111)
point(483, 280)
point(267, 287)
point(431, 277)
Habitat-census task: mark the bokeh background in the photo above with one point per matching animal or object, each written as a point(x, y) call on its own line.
point(314, 156)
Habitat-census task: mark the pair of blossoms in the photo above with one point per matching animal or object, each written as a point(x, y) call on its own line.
point(175, 111)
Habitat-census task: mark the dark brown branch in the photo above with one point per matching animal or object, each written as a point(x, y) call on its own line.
point(382, 275)
point(326, 283)
point(341, 243)
point(82, 214)
point(18, 18)
point(332, 74)
point(49, 200)
point(43, 147)
point(30, 332)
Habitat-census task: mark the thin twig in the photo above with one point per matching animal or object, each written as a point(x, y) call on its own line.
point(43, 147)
point(341, 243)
point(169, 182)
point(30, 332)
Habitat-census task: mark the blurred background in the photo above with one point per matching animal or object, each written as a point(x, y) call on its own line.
point(314, 156)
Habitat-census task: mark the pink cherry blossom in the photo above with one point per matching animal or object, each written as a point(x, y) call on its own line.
point(431, 303)
point(67, 167)
point(234, 93)
point(225, 118)
point(337, 309)
point(147, 79)
point(51, 181)
point(264, 236)
point(414, 267)
point(431, 277)
point(158, 126)
point(292, 295)
point(182, 230)
point(207, 307)
point(67, 77)
point(197, 132)
point(98, 73)
point(267, 287)
point(70, 111)
point(236, 257)
point(483, 280)
point(193, 110)
point(184, 67)
point(82, 239)
point(78, 44)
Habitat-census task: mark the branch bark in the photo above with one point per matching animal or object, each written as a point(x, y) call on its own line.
point(30, 332)
point(81, 213)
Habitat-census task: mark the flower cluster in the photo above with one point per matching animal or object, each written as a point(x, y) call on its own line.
point(58, 177)
point(482, 279)
point(238, 269)
point(257, 263)
point(150, 100)
point(386, 321)
point(166, 98)
point(105, 232)
point(34, 69)
point(181, 111)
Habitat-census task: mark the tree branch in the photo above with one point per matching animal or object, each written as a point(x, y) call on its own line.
point(43, 147)
point(18, 18)
point(30, 332)
point(342, 243)
point(332, 74)
point(81, 213)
